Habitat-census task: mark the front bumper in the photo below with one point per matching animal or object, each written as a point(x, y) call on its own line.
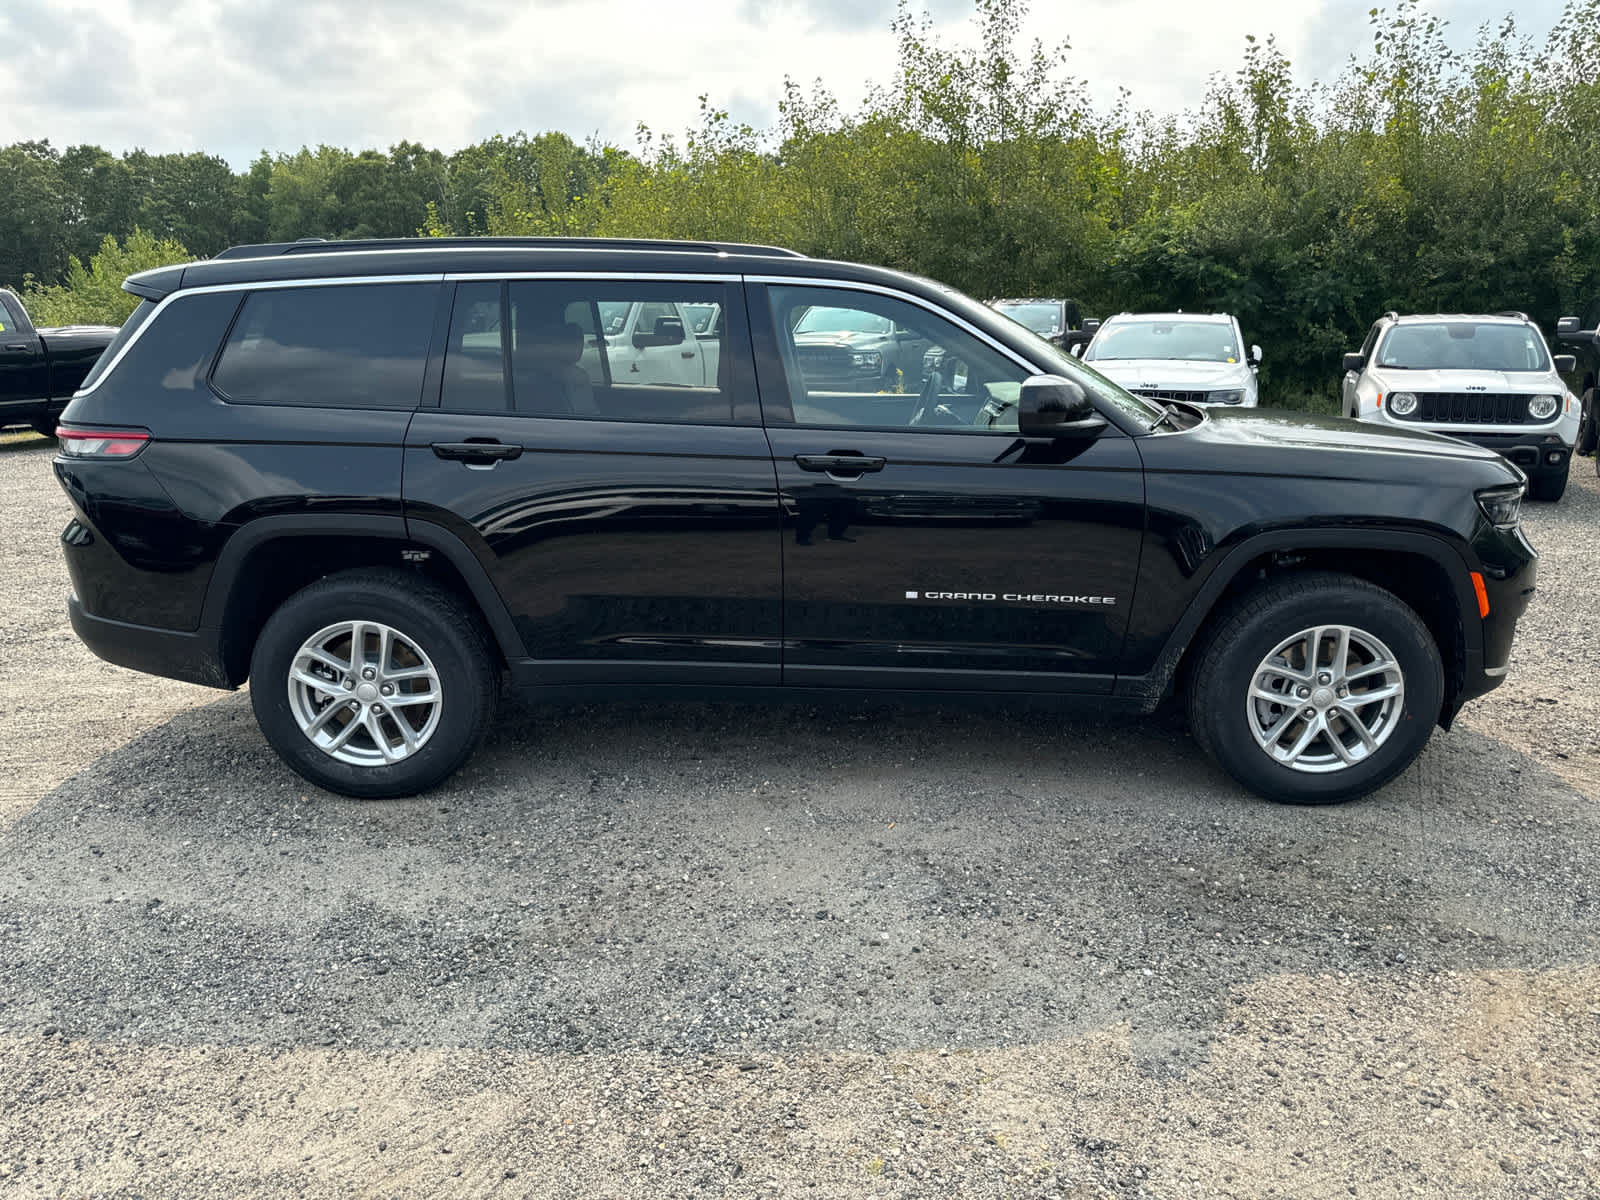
point(1541, 453)
point(1509, 566)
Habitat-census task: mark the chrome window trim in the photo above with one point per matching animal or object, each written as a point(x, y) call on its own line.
point(256, 285)
point(641, 277)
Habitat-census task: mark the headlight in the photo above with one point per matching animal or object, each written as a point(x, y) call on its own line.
point(1502, 505)
point(1232, 397)
point(1402, 404)
point(1542, 408)
point(867, 360)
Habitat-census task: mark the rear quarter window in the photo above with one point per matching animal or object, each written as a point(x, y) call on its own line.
point(338, 346)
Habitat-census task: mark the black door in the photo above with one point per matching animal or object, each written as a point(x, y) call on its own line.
point(628, 517)
point(927, 546)
point(24, 370)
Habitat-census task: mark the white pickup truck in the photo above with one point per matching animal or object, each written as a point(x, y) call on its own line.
point(658, 343)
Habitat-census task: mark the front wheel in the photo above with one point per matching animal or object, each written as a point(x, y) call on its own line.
point(1316, 689)
point(373, 683)
point(1586, 425)
point(1548, 488)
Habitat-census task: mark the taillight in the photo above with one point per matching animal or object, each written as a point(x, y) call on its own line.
point(101, 443)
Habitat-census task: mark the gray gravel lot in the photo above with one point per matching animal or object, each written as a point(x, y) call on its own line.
point(715, 951)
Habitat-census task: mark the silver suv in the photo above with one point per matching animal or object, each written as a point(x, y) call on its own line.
point(1488, 379)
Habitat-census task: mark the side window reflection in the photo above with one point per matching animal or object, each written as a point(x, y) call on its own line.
point(860, 359)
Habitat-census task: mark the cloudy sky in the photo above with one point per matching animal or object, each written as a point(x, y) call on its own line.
point(234, 77)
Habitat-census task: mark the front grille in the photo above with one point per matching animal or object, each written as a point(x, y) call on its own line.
point(822, 367)
point(1472, 408)
point(1165, 394)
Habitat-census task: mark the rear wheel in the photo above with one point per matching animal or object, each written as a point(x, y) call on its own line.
point(1316, 689)
point(373, 683)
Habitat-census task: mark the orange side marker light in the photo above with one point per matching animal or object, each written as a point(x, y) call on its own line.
point(1483, 594)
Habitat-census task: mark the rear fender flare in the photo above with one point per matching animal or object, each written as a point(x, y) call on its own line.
point(239, 548)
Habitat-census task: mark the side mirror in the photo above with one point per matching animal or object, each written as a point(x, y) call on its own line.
point(1568, 325)
point(1570, 329)
point(1051, 406)
point(1566, 364)
point(1091, 325)
point(1354, 362)
point(1255, 355)
point(668, 332)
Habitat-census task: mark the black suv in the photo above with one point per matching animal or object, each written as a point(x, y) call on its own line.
point(376, 478)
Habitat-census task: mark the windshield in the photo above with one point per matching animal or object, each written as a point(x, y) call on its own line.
point(841, 320)
point(1464, 346)
point(1043, 318)
point(1192, 341)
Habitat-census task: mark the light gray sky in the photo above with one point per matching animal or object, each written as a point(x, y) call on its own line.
point(234, 77)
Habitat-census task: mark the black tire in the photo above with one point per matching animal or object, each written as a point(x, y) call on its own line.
point(1239, 643)
point(1547, 488)
point(1588, 426)
point(445, 629)
point(44, 428)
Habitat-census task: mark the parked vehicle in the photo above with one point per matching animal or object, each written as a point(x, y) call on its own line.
point(375, 479)
point(1198, 358)
point(847, 348)
point(1489, 379)
point(41, 368)
point(1051, 319)
point(1583, 335)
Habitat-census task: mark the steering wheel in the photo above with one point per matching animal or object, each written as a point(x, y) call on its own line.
point(929, 410)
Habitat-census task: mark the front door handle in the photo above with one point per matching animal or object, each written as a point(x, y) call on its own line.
point(477, 453)
point(839, 464)
point(685, 353)
point(16, 345)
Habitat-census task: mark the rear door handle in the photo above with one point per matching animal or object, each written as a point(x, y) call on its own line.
point(16, 345)
point(839, 464)
point(477, 453)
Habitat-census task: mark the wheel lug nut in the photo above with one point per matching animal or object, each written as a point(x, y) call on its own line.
point(1324, 678)
point(349, 681)
point(1311, 712)
point(354, 707)
point(368, 673)
point(388, 689)
point(377, 708)
point(1303, 692)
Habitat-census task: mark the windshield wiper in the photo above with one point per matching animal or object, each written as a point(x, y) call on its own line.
point(1167, 412)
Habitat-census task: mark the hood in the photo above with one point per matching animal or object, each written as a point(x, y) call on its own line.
point(1276, 442)
point(844, 338)
point(1173, 374)
point(1392, 379)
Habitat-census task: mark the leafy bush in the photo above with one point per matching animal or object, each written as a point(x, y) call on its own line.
point(93, 295)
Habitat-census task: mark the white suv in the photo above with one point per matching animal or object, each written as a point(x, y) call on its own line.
point(1196, 357)
point(1489, 379)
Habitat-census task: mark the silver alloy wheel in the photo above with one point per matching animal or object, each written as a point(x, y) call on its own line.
point(1325, 699)
point(364, 693)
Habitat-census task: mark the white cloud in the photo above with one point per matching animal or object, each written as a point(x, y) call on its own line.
point(238, 76)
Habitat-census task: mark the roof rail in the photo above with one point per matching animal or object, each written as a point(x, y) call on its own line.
point(361, 245)
point(1391, 315)
point(1511, 312)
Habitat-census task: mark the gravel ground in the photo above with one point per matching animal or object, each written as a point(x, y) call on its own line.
point(709, 951)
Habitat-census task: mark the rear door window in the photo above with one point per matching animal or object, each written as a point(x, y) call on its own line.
point(641, 351)
point(341, 346)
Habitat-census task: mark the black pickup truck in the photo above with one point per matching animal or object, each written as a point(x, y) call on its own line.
point(41, 368)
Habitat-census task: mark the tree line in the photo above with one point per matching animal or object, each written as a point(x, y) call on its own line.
point(1419, 178)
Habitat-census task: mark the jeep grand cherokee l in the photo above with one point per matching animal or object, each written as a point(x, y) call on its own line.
point(374, 479)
